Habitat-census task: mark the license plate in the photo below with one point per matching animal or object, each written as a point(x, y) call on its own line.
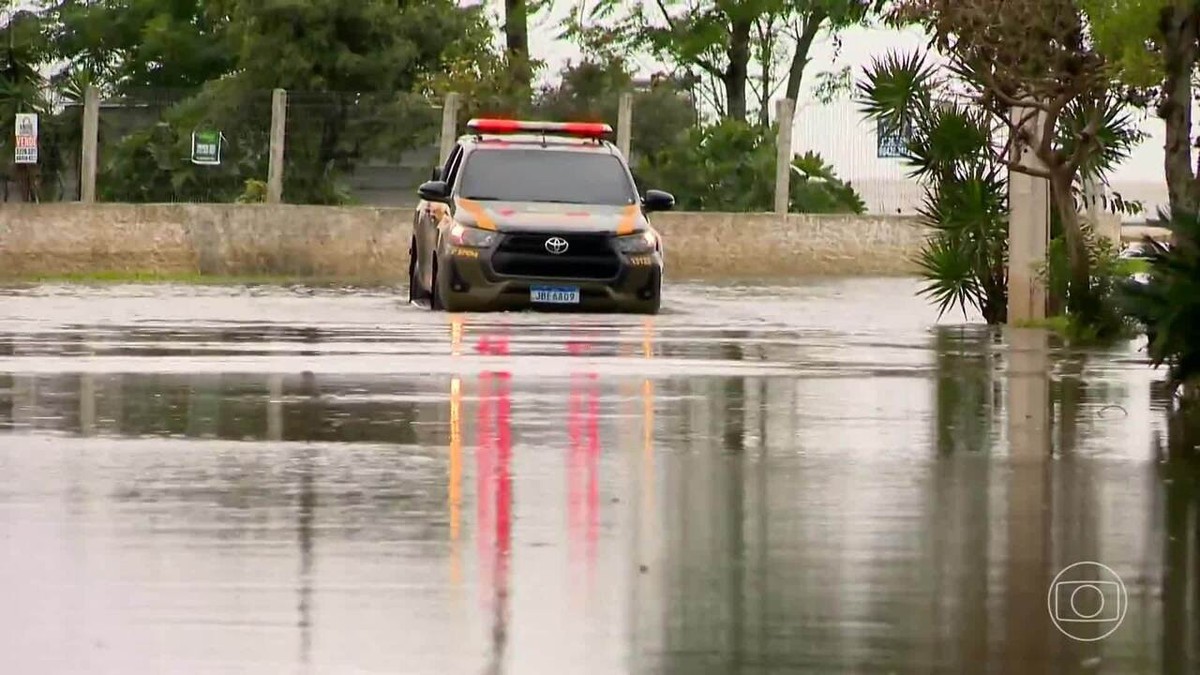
point(560, 295)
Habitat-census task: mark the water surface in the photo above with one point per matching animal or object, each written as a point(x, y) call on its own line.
point(811, 478)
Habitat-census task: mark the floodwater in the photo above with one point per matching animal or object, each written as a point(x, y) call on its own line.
point(811, 478)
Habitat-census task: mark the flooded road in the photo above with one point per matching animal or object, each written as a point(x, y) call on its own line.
point(815, 478)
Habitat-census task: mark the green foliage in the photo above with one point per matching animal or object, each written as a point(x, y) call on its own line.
point(255, 192)
point(725, 49)
point(22, 91)
point(952, 148)
point(227, 57)
point(816, 188)
point(153, 164)
point(730, 166)
point(126, 45)
point(1108, 275)
point(832, 84)
point(965, 191)
point(1117, 133)
point(1124, 31)
point(590, 91)
point(1169, 304)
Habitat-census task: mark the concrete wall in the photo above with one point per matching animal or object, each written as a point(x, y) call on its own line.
point(370, 244)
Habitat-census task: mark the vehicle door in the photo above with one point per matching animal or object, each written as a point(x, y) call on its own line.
point(429, 215)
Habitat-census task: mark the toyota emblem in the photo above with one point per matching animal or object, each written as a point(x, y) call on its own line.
point(556, 245)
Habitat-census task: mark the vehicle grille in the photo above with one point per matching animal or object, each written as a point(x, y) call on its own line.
point(588, 256)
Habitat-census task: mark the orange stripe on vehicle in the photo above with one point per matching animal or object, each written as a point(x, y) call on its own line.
point(628, 219)
point(482, 219)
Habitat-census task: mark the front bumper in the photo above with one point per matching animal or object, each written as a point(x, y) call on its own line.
point(468, 281)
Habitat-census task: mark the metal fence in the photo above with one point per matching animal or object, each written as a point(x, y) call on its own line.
point(211, 146)
point(214, 145)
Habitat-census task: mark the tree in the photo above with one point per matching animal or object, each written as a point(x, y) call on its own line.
point(131, 45)
point(590, 91)
point(1153, 46)
point(485, 77)
point(516, 38)
point(722, 44)
point(730, 166)
point(1168, 304)
point(965, 192)
point(22, 90)
point(1037, 56)
point(952, 148)
point(355, 75)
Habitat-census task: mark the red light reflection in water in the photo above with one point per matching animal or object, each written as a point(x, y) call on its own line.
point(583, 468)
point(493, 457)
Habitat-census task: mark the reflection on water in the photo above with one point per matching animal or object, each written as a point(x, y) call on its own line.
point(502, 520)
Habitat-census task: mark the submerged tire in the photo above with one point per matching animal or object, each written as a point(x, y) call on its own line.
point(414, 290)
point(435, 297)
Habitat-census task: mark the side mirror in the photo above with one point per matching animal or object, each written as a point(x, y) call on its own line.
point(437, 173)
point(657, 200)
point(434, 191)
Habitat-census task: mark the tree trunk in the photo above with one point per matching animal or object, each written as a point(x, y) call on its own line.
point(812, 26)
point(767, 44)
point(1079, 295)
point(516, 36)
point(1178, 25)
point(738, 70)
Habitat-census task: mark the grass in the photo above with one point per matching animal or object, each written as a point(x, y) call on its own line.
point(1055, 324)
point(1076, 333)
point(112, 277)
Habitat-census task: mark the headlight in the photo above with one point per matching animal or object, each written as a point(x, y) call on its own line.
point(642, 242)
point(473, 237)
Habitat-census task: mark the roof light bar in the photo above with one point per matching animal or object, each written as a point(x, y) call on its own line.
point(503, 126)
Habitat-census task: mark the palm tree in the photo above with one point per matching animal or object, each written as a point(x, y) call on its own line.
point(957, 149)
point(1168, 305)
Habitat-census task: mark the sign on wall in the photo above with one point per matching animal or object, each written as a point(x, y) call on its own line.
point(889, 143)
point(206, 147)
point(27, 138)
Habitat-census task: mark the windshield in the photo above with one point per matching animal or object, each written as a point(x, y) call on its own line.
point(546, 176)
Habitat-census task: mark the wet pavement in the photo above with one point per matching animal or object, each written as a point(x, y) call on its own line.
point(813, 478)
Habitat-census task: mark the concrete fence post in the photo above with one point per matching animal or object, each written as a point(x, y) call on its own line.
point(624, 122)
point(1028, 226)
point(784, 115)
point(278, 139)
point(89, 150)
point(449, 125)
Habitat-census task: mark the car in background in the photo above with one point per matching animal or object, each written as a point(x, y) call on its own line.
point(1141, 253)
point(543, 215)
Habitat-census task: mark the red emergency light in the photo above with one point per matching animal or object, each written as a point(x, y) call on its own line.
point(487, 125)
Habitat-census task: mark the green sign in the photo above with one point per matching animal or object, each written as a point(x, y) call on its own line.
point(206, 147)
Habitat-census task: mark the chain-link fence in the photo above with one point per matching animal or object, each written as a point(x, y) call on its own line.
point(181, 145)
point(358, 148)
point(214, 145)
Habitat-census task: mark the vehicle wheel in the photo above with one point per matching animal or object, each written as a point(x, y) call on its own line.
point(652, 305)
point(414, 290)
point(435, 297)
